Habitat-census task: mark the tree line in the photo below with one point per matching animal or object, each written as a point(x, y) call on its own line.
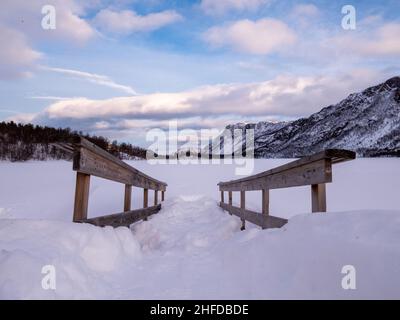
point(22, 142)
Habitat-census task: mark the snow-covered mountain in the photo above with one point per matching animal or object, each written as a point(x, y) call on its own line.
point(367, 122)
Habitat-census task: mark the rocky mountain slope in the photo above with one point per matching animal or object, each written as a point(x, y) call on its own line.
point(367, 122)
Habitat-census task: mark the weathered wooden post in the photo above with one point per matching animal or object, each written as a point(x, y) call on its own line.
point(155, 197)
point(318, 197)
point(91, 160)
point(81, 196)
point(222, 196)
point(314, 171)
point(230, 200)
point(127, 198)
point(243, 207)
point(145, 198)
point(162, 195)
point(265, 201)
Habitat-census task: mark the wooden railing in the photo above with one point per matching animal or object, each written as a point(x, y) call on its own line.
point(91, 160)
point(315, 170)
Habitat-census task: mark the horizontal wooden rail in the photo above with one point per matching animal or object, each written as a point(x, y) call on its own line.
point(314, 170)
point(262, 220)
point(90, 160)
point(305, 171)
point(124, 218)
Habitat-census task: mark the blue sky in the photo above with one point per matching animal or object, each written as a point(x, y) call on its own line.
point(120, 68)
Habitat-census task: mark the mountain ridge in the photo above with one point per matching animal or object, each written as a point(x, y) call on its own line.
point(367, 122)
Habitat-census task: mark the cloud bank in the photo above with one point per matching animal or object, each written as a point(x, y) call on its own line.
point(128, 21)
point(284, 97)
point(218, 7)
point(263, 36)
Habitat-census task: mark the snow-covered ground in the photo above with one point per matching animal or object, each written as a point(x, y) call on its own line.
point(192, 249)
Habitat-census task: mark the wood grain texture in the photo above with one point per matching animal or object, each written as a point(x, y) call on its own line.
point(265, 201)
point(314, 170)
point(155, 197)
point(307, 174)
point(91, 159)
point(262, 220)
point(124, 218)
point(318, 198)
point(331, 156)
point(243, 208)
point(145, 198)
point(128, 197)
point(81, 196)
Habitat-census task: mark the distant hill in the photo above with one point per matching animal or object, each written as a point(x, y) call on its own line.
point(367, 122)
point(21, 142)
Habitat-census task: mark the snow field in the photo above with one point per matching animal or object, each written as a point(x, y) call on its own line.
point(192, 248)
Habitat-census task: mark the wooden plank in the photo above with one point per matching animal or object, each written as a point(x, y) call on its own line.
point(128, 197)
point(86, 161)
point(311, 173)
point(145, 198)
point(91, 159)
point(82, 142)
point(155, 197)
point(334, 155)
point(81, 196)
point(318, 197)
point(262, 220)
point(265, 201)
point(66, 147)
point(243, 208)
point(124, 218)
point(91, 146)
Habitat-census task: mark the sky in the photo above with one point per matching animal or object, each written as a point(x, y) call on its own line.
point(121, 68)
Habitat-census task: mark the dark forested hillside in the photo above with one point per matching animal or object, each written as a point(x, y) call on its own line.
point(21, 142)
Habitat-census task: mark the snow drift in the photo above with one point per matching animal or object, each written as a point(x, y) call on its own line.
point(192, 248)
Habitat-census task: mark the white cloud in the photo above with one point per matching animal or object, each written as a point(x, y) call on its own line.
point(94, 78)
point(127, 21)
point(383, 40)
point(263, 36)
point(16, 56)
point(304, 14)
point(52, 98)
point(218, 7)
point(305, 9)
point(280, 98)
point(26, 17)
point(21, 29)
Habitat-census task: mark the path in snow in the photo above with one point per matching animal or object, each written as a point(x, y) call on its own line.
point(193, 249)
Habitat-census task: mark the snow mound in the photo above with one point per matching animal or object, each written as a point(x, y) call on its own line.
point(80, 253)
point(193, 249)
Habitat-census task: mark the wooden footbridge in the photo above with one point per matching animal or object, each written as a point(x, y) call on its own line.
point(90, 160)
point(315, 171)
